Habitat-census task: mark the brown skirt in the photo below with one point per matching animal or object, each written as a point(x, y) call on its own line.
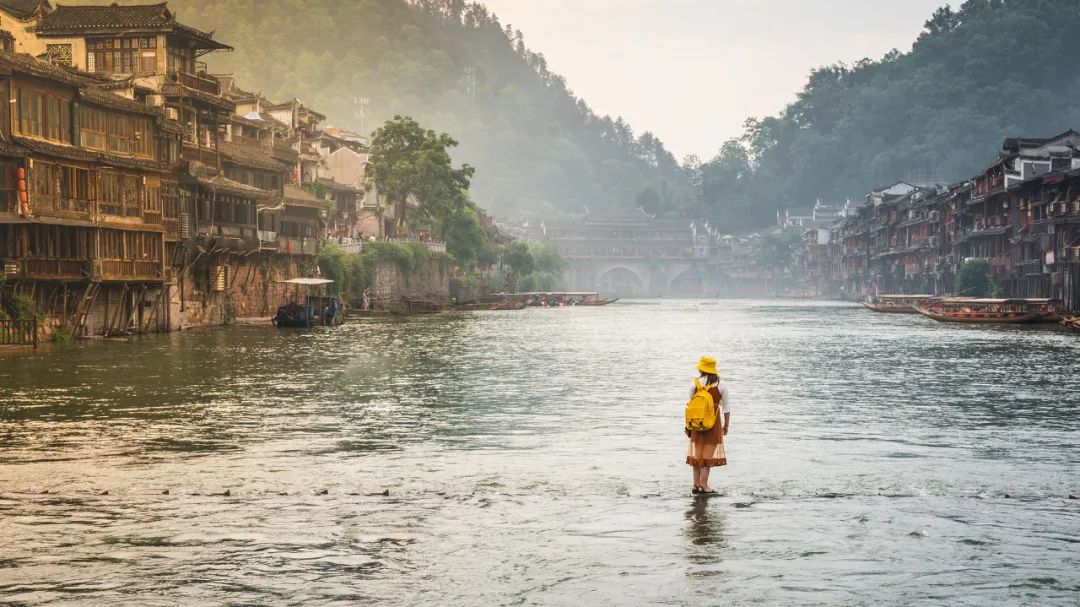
point(707, 448)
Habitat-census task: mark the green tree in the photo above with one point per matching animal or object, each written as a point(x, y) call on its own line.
point(973, 279)
point(410, 163)
point(467, 242)
point(518, 261)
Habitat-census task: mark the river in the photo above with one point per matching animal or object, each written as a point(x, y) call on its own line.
point(536, 457)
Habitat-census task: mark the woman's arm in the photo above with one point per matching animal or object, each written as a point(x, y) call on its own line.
point(727, 422)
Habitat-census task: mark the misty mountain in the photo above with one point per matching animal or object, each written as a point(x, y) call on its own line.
point(937, 113)
point(455, 68)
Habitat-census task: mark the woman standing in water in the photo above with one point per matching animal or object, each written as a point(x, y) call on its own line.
point(706, 449)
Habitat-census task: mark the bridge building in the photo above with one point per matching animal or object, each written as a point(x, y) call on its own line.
point(636, 256)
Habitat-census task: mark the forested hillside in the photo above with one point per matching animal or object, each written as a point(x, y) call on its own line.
point(990, 69)
point(455, 68)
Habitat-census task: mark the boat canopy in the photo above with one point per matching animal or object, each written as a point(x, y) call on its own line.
point(905, 296)
point(977, 300)
point(305, 281)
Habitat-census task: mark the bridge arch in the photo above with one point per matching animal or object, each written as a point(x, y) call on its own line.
point(688, 283)
point(621, 281)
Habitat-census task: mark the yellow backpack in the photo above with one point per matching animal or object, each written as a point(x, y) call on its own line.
point(701, 410)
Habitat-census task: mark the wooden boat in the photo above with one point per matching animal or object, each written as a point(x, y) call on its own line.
point(973, 310)
point(596, 302)
point(412, 305)
point(1072, 322)
point(1051, 309)
point(326, 310)
point(486, 306)
point(899, 304)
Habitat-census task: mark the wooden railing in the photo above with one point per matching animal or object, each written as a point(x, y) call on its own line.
point(45, 268)
point(205, 155)
point(120, 269)
point(19, 332)
point(199, 82)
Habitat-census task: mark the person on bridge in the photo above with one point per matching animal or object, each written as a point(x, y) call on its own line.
point(706, 450)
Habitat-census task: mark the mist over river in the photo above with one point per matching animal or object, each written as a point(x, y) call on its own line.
point(536, 457)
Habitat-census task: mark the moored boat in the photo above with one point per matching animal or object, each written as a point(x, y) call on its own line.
point(1072, 322)
point(596, 302)
point(975, 310)
point(326, 310)
point(899, 304)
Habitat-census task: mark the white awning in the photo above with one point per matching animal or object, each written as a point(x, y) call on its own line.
point(305, 281)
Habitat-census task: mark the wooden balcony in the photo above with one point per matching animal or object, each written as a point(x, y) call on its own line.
point(46, 269)
point(204, 83)
point(205, 155)
point(122, 270)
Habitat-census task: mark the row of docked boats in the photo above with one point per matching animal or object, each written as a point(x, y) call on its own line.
point(971, 309)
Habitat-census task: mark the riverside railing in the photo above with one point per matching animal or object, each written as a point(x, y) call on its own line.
point(19, 332)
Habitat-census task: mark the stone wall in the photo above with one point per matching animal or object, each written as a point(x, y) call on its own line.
point(216, 290)
point(431, 282)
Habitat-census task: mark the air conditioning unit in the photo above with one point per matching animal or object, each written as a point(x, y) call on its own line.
point(95, 270)
point(219, 276)
point(11, 267)
point(155, 100)
point(172, 113)
point(183, 226)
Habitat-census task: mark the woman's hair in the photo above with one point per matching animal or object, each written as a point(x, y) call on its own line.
point(710, 378)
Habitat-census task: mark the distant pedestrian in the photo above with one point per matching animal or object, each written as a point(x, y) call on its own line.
point(713, 420)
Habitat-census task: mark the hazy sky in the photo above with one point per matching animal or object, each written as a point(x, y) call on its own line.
point(692, 70)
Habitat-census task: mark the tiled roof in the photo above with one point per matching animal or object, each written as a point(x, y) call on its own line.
point(296, 196)
point(11, 151)
point(172, 89)
point(20, 9)
point(338, 187)
point(109, 18)
point(26, 64)
point(224, 184)
point(249, 156)
point(100, 97)
point(82, 154)
point(143, 16)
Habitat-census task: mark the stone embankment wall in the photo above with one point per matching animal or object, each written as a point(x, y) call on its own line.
point(216, 291)
point(431, 281)
point(212, 291)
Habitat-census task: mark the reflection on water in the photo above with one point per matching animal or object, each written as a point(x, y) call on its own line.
point(705, 532)
point(475, 459)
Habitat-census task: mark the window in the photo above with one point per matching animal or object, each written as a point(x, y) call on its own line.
point(151, 199)
point(130, 55)
point(109, 198)
point(31, 111)
point(132, 195)
point(170, 200)
point(59, 54)
point(92, 128)
point(43, 184)
point(115, 132)
point(9, 187)
point(75, 188)
point(57, 119)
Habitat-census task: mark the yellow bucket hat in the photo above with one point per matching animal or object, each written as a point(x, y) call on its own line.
point(707, 364)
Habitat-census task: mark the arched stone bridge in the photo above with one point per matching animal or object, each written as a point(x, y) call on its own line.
point(643, 277)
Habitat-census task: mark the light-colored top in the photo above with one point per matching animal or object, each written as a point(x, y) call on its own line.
point(726, 397)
